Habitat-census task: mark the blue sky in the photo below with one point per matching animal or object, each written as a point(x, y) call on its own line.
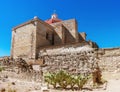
point(100, 19)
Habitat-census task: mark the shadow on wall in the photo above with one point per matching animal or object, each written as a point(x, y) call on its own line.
point(69, 37)
point(63, 36)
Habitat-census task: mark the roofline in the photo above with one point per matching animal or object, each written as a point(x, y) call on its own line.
point(25, 23)
point(64, 21)
point(48, 25)
point(32, 21)
point(70, 19)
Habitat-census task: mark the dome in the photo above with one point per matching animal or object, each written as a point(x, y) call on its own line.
point(54, 19)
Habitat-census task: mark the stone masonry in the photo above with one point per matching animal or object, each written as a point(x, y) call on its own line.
point(32, 38)
point(109, 59)
point(29, 37)
point(73, 59)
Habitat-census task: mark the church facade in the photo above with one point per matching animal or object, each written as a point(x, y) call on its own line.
point(29, 37)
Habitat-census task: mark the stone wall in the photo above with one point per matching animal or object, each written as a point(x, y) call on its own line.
point(29, 37)
point(1, 58)
point(42, 29)
point(70, 30)
point(57, 58)
point(110, 59)
point(59, 35)
point(73, 59)
point(82, 36)
point(43, 35)
point(23, 41)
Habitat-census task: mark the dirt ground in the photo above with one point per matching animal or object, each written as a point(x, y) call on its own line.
point(112, 85)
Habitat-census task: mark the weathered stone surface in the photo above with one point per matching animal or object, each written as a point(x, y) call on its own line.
point(23, 41)
point(110, 60)
point(72, 59)
point(29, 37)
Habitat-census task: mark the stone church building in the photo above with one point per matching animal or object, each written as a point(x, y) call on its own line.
point(28, 38)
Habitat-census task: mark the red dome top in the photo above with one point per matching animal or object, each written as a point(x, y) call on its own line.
point(53, 19)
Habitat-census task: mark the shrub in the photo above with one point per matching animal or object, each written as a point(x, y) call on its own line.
point(81, 80)
point(61, 79)
point(64, 79)
point(50, 78)
point(72, 81)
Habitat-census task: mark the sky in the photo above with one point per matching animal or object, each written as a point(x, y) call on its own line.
point(100, 19)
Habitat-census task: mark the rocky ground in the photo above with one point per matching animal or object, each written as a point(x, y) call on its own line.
point(10, 81)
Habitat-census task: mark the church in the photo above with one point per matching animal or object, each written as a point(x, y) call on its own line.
point(28, 38)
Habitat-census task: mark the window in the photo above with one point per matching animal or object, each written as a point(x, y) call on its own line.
point(46, 35)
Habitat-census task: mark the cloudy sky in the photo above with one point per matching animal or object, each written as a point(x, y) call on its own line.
point(100, 19)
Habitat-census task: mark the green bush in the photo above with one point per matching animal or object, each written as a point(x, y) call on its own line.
point(51, 79)
point(81, 81)
point(72, 81)
point(64, 79)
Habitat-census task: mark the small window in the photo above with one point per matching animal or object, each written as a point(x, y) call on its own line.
point(46, 35)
